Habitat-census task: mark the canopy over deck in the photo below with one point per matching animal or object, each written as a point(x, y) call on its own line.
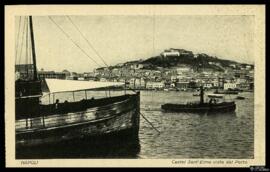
point(57, 85)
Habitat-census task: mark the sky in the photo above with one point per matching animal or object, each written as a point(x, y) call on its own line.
point(118, 39)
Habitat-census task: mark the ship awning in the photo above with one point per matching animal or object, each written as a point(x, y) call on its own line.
point(58, 85)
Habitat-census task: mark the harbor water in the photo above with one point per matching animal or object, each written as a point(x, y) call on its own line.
point(182, 135)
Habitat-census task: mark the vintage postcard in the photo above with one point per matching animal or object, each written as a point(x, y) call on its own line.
point(135, 86)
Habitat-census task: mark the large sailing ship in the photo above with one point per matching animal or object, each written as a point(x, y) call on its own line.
point(91, 120)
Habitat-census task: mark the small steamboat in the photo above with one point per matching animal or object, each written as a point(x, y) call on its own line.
point(214, 105)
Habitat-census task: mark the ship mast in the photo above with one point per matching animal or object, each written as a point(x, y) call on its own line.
point(33, 48)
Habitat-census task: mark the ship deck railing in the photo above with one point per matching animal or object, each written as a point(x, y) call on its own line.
point(88, 115)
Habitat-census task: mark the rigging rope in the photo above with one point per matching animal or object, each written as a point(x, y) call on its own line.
point(154, 24)
point(26, 47)
point(87, 41)
point(90, 45)
point(73, 41)
point(151, 124)
point(17, 42)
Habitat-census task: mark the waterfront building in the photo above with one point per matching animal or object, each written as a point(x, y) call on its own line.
point(245, 86)
point(81, 78)
point(51, 74)
point(140, 83)
point(215, 84)
point(193, 84)
point(155, 85)
point(122, 80)
point(207, 85)
point(167, 84)
point(230, 86)
point(182, 84)
point(174, 78)
point(24, 71)
point(72, 77)
point(66, 72)
point(103, 79)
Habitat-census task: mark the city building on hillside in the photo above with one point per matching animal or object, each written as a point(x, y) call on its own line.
point(137, 66)
point(215, 84)
point(228, 86)
point(175, 52)
point(248, 67)
point(174, 78)
point(101, 70)
point(155, 85)
point(182, 85)
point(232, 65)
point(120, 65)
point(171, 53)
point(207, 85)
point(115, 71)
point(167, 84)
point(140, 83)
point(207, 71)
point(136, 83)
point(241, 80)
point(243, 86)
point(193, 84)
point(183, 69)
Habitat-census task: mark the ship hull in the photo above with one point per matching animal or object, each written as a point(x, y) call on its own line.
point(117, 144)
point(115, 122)
point(226, 92)
point(205, 108)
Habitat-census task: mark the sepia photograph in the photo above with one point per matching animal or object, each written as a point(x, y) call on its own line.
point(151, 83)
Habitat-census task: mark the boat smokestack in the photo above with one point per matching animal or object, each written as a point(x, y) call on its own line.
point(201, 95)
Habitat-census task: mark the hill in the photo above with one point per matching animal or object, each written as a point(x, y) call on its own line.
point(177, 57)
point(180, 57)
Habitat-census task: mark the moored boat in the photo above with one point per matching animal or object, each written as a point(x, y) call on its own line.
point(201, 107)
point(58, 123)
point(80, 120)
point(226, 92)
point(240, 98)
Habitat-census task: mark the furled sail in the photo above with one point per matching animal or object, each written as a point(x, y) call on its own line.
point(58, 85)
